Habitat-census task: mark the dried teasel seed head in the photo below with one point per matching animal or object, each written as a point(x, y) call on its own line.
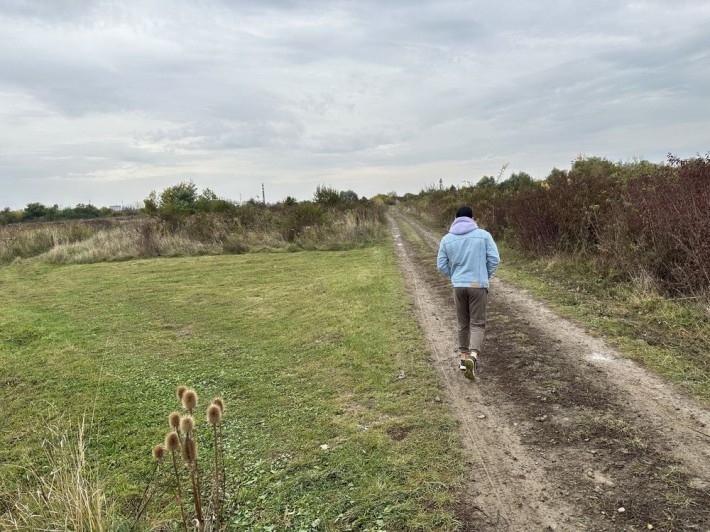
point(174, 420)
point(189, 400)
point(187, 424)
point(219, 402)
point(214, 414)
point(180, 392)
point(172, 441)
point(158, 451)
point(189, 450)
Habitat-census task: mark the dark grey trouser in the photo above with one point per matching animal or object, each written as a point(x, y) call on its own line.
point(471, 314)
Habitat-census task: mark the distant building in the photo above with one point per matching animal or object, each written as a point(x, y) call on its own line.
point(116, 207)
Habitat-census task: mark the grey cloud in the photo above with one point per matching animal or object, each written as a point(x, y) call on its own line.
point(48, 11)
point(224, 134)
point(155, 90)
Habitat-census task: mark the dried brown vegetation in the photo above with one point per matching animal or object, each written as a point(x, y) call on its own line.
point(635, 219)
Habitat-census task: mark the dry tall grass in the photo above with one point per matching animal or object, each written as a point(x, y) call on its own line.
point(22, 241)
point(83, 242)
point(127, 241)
point(67, 495)
point(349, 231)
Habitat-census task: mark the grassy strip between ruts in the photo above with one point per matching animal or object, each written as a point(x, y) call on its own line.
point(672, 337)
point(307, 349)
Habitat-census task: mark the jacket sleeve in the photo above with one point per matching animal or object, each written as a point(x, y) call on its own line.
point(442, 260)
point(492, 256)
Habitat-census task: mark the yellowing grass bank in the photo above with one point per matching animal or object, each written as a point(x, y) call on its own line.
point(305, 348)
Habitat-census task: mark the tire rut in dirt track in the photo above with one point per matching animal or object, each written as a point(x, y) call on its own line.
point(560, 432)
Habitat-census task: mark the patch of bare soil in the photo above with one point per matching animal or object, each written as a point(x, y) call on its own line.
point(561, 433)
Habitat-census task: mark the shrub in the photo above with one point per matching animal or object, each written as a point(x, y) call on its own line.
point(297, 218)
point(326, 195)
point(639, 218)
point(179, 199)
point(8, 217)
point(664, 216)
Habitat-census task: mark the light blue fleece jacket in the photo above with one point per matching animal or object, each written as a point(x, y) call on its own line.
point(467, 254)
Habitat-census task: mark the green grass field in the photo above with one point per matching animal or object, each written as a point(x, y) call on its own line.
point(305, 348)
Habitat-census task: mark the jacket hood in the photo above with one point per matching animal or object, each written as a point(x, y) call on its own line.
point(462, 225)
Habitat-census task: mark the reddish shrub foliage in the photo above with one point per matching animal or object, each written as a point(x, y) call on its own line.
point(667, 215)
point(633, 217)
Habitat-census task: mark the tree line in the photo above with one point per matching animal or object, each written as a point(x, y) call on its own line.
point(180, 199)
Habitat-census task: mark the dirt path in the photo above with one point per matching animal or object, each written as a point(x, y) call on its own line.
point(561, 433)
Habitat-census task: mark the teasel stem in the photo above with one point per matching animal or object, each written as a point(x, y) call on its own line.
point(223, 471)
point(219, 402)
point(173, 443)
point(216, 498)
point(179, 490)
point(158, 452)
point(214, 418)
point(197, 481)
point(189, 447)
point(190, 455)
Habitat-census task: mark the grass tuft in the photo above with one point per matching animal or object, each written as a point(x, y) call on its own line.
point(66, 494)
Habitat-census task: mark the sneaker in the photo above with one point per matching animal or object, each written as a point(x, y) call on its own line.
point(462, 365)
point(471, 364)
point(470, 373)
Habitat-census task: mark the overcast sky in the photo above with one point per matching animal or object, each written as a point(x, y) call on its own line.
point(104, 101)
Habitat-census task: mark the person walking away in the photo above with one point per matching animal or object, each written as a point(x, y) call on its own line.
point(469, 256)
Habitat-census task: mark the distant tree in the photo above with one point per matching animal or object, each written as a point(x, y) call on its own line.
point(183, 199)
point(52, 213)
point(206, 201)
point(486, 181)
point(637, 168)
point(517, 181)
point(86, 211)
point(179, 199)
point(555, 175)
point(348, 196)
point(150, 204)
point(34, 211)
point(326, 195)
point(8, 217)
point(592, 168)
point(208, 195)
point(290, 201)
